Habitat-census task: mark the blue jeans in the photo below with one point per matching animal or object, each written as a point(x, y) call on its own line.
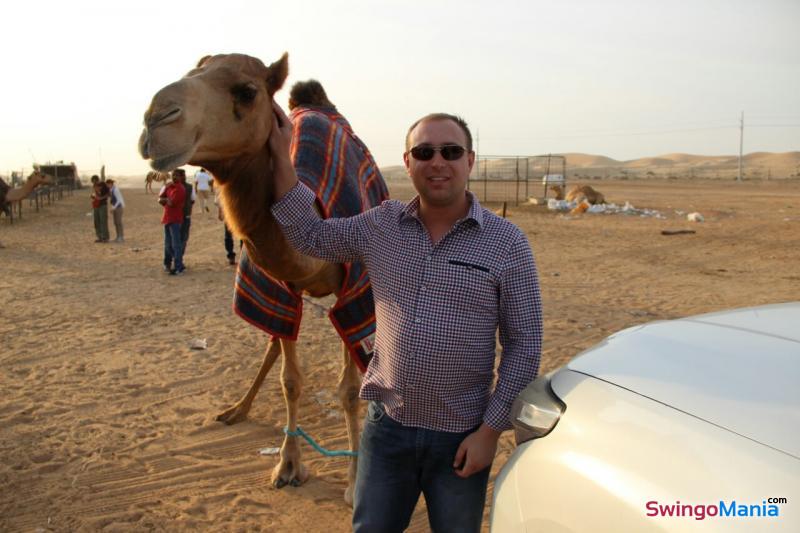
point(185, 227)
point(396, 463)
point(173, 246)
point(229, 242)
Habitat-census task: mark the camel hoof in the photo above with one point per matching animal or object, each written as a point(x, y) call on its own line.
point(348, 496)
point(284, 474)
point(232, 416)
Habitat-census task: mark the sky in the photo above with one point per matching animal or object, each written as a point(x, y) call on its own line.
point(624, 79)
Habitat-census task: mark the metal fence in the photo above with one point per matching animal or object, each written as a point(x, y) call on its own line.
point(39, 198)
point(513, 179)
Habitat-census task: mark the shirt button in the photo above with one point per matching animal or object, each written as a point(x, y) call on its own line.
point(418, 320)
point(422, 287)
point(428, 257)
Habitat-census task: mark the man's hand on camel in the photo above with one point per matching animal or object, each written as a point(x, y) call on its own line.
point(280, 138)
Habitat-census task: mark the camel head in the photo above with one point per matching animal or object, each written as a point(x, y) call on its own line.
point(218, 116)
point(37, 178)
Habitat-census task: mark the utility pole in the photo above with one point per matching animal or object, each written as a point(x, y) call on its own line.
point(741, 144)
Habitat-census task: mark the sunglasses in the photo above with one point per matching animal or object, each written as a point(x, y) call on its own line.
point(450, 152)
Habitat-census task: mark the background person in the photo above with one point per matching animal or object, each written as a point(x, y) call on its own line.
point(188, 204)
point(172, 197)
point(100, 193)
point(117, 208)
point(204, 186)
point(228, 238)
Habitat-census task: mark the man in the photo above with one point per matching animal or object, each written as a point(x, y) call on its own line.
point(173, 197)
point(203, 186)
point(117, 208)
point(446, 275)
point(100, 195)
point(187, 208)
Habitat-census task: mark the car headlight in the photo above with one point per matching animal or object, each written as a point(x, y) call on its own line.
point(536, 410)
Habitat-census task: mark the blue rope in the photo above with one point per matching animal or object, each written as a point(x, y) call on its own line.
point(320, 449)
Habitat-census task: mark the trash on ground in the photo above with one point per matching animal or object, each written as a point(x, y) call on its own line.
point(268, 451)
point(695, 217)
point(608, 209)
point(580, 208)
point(198, 344)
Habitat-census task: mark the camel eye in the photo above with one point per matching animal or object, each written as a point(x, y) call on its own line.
point(244, 93)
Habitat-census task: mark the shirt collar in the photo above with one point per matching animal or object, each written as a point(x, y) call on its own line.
point(475, 212)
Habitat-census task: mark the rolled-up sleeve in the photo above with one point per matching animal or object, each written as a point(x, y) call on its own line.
point(520, 332)
point(339, 240)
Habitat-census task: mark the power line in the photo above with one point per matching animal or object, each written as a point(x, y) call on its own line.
point(611, 134)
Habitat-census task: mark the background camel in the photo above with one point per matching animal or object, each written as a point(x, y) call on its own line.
point(234, 94)
point(558, 190)
point(155, 176)
point(9, 195)
point(579, 193)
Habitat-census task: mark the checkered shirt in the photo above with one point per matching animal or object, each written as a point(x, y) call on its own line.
point(438, 307)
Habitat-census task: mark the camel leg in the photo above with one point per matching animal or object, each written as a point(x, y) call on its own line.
point(349, 385)
point(239, 411)
point(290, 471)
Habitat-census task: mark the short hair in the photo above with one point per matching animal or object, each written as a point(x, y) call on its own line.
point(460, 122)
point(95, 178)
point(179, 172)
point(311, 92)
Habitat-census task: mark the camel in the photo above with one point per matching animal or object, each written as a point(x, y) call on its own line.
point(579, 193)
point(9, 195)
point(558, 190)
point(156, 176)
point(219, 117)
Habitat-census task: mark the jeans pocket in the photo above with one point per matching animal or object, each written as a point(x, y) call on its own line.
point(375, 412)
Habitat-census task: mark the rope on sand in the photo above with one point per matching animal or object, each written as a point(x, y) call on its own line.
point(328, 453)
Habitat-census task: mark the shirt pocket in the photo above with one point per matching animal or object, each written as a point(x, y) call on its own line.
point(471, 285)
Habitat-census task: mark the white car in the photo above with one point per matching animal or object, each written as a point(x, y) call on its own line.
point(680, 425)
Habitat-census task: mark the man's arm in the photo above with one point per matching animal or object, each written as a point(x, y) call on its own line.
point(520, 325)
point(334, 239)
point(280, 139)
point(520, 332)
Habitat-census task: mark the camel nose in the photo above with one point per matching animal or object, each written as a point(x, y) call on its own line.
point(167, 105)
point(163, 116)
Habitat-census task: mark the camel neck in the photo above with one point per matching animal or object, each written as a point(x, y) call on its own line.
point(246, 194)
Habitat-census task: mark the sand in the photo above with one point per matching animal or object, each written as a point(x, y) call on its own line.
point(107, 416)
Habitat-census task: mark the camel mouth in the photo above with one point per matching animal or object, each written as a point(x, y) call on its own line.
point(165, 117)
point(170, 162)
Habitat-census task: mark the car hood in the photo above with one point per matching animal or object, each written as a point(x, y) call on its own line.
point(738, 369)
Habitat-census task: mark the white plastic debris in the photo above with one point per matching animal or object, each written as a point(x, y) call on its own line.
point(607, 209)
point(198, 344)
point(268, 451)
point(559, 205)
point(695, 217)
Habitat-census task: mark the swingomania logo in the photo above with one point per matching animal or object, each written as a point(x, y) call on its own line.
point(769, 507)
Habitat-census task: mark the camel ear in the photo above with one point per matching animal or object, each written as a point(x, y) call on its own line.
point(277, 73)
point(202, 61)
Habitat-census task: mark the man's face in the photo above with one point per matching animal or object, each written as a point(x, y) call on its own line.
point(439, 182)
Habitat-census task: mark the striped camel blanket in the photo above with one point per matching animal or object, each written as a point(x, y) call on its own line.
point(332, 161)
